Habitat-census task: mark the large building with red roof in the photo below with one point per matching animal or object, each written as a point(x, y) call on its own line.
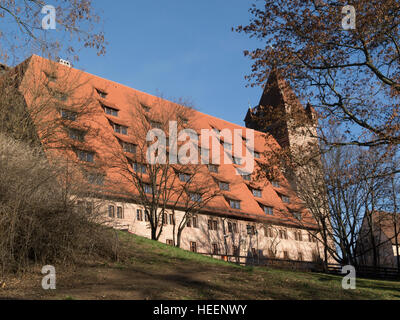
point(102, 126)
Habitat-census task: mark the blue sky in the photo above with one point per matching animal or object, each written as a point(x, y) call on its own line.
point(179, 49)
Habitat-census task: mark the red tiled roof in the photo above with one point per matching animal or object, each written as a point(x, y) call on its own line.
point(124, 99)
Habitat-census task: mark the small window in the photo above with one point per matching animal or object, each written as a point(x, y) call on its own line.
point(283, 234)
point(183, 177)
point(155, 125)
point(69, 115)
point(257, 193)
point(213, 168)
point(195, 197)
point(110, 111)
point(146, 215)
point(170, 242)
point(286, 255)
point(247, 177)
point(269, 232)
point(193, 246)
point(120, 213)
point(139, 168)
point(285, 199)
point(165, 218)
point(189, 223)
point(145, 107)
point(268, 210)
point(101, 93)
point(195, 222)
point(215, 248)
point(224, 186)
point(148, 189)
point(111, 211)
point(129, 147)
point(276, 184)
point(85, 156)
point(251, 230)
point(209, 223)
point(234, 226)
point(298, 235)
point(139, 215)
point(171, 219)
point(234, 204)
point(297, 215)
point(230, 227)
point(120, 129)
point(215, 225)
point(76, 134)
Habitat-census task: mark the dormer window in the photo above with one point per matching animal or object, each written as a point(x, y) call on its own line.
point(85, 156)
point(195, 197)
point(213, 168)
point(155, 124)
point(129, 147)
point(223, 186)
point(268, 210)
point(276, 184)
point(139, 168)
point(234, 204)
point(75, 134)
point(257, 193)
point(110, 111)
point(68, 115)
point(285, 199)
point(120, 129)
point(145, 108)
point(184, 177)
point(102, 94)
point(297, 215)
point(51, 76)
point(247, 177)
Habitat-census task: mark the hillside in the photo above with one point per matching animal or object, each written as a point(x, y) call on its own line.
point(158, 271)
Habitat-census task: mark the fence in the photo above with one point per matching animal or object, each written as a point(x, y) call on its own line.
point(386, 273)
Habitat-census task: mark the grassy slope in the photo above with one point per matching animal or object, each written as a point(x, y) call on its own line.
point(158, 271)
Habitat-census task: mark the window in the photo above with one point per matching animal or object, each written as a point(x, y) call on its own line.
point(195, 222)
point(286, 255)
point(257, 193)
point(236, 160)
point(165, 218)
point(120, 213)
point(215, 225)
point(120, 129)
point(300, 256)
point(276, 184)
point(234, 204)
point(101, 93)
point(213, 168)
point(110, 111)
point(69, 115)
point(234, 227)
point(298, 236)
point(129, 147)
point(183, 177)
point(85, 156)
point(111, 211)
point(193, 246)
point(215, 248)
point(224, 186)
point(254, 252)
point(269, 232)
point(155, 124)
point(195, 197)
point(189, 223)
point(171, 219)
point(230, 227)
point(51, 77)
point(139, 215)
point(247, 177)
point(297, 215)
point(170, 242)
point(146, 215)
point(235, 251)
point(285, 199)
point(283, 234)
point(148, 189)
point(251, 230)
point(95, 178)
point(209, 223)
point(311, 238)
point(139, 168)
point(268, 210)
point(76, 134)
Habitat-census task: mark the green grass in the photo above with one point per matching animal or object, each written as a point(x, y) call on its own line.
point(195, 276)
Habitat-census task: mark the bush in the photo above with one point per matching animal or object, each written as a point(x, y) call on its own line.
point(39, 219)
